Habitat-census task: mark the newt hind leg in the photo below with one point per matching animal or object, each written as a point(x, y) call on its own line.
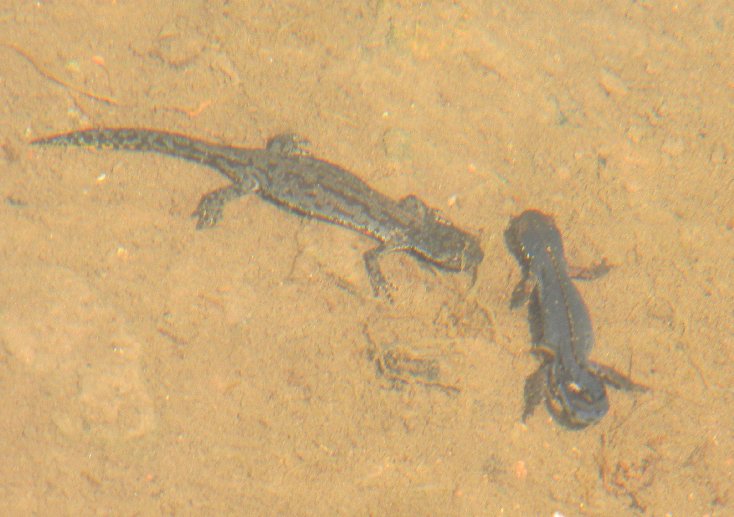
point(534, 391)
point(615, 379)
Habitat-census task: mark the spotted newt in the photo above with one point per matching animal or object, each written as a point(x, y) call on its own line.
point(572, 385)
point(285, 175)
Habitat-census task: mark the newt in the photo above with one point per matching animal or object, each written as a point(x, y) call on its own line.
point(572, 385)
point(285, 175)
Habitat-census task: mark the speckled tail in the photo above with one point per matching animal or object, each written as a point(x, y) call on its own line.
point(130, 139)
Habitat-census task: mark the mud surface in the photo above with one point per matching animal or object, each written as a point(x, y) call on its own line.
point(149, 368)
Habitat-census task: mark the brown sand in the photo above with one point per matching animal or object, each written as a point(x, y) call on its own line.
point(148, 368)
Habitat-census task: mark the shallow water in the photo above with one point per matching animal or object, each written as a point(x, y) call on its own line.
point(148, 368)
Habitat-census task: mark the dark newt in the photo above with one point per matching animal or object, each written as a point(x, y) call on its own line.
point(284, 175)
point(574, 388)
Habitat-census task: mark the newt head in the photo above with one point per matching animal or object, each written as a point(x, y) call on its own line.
point(446, 246)
point(577, 400)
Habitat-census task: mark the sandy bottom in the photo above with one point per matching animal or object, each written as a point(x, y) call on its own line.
point(148, 368)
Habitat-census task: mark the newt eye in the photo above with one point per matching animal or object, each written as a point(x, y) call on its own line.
point(574, 388)
point(590, 392)
point(578, 392)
